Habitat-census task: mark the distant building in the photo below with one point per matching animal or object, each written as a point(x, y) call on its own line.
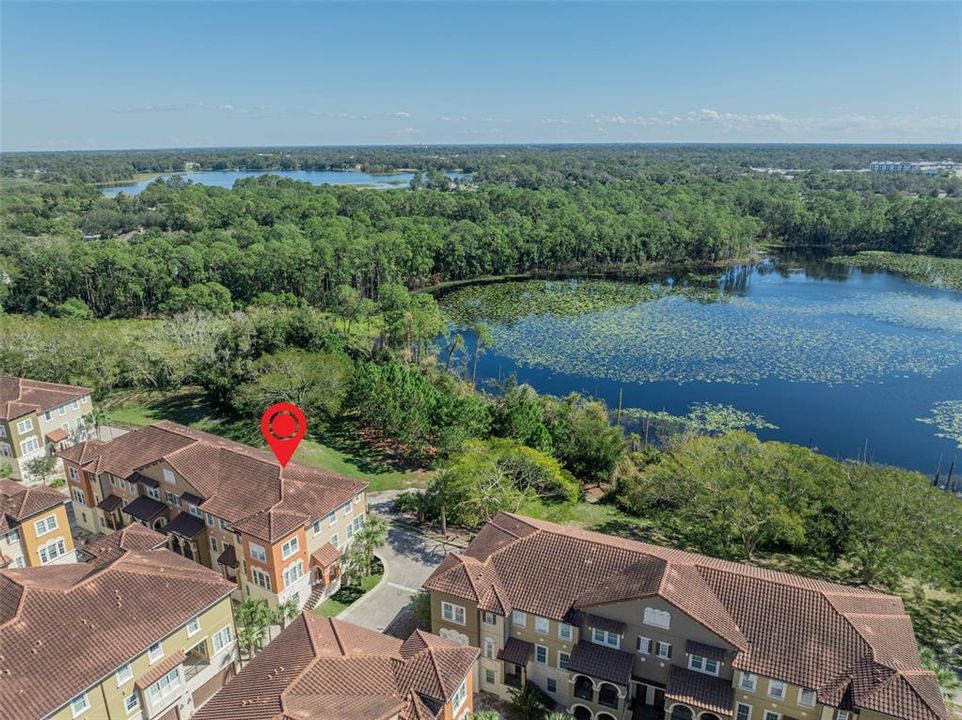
point(279, 534)
point(942, 167)
point(34, 530)
point(137, 632)
point(327, 669)
point(39, 418)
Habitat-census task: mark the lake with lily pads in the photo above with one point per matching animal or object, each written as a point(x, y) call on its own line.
point(854, 363)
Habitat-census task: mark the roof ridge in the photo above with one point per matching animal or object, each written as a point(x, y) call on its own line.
point(896, 674)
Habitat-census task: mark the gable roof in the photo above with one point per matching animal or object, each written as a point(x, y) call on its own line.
point(131, 537)
point(327, 669)
point(66, 617)
point(20, 396)
point(19, 502)
point(839, 640)
point(243, 485)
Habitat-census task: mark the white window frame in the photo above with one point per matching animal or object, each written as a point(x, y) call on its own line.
point(334, 541)
point(748, 681)
point(293, 573)
point(153, 492)
point(331, 518)
point(542, 625)
point(316, 528)
point(152, 655)
point(702, 664)
point(748, 715)
point(346, 508)
point(771, 715)
point(663, 650)
point(258, 552)
point(195, 623)
point(290, 547)
point(842, 715)
point(209, 519)
point(563, 663)
point(47, 527)
point(57, 544)
point(224, 636)
point(357, 498)
point(169, 476)
point(772, 684)
point(213, 544)
point(62, 410)
point(32, 440)
point(460, 697)
point(802, 692)
point(537, 649)
point(603, 637)
point(47, 415)
point(489, 651)
point(565, 631)
point(81, 698)
point(174, 681)
point(74, 475)
point(125, 673)
point(519, 618)
point(488, 618)
point(260, 578)
point(644, 645)
point(450, 613)
point(74, 404)
point(131, 709)
point(24, 426)
point(552, 685)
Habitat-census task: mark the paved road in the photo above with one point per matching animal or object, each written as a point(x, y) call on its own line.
point(408, 560)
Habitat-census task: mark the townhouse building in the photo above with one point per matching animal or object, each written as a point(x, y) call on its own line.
point(278, 534)
point(39, 418)
point(612, 629)
point(34, 529)
point(136, 633)
point(327, 669)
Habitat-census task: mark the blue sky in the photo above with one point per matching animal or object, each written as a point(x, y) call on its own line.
point(82, 75)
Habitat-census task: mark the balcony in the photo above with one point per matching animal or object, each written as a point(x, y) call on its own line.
point(194, 666)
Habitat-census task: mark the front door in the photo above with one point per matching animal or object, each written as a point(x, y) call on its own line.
point(659, 698)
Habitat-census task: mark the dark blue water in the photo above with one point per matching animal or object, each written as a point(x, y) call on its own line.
point(873, 415)
point(226, 179)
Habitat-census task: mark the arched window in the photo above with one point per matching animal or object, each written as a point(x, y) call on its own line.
point(658, 618)
point(584, 688)
point(681, 712)
point(581, 713)
point(604, 716)
point(608, 695)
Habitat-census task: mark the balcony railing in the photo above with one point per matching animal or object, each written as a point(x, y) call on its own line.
point(192, 667)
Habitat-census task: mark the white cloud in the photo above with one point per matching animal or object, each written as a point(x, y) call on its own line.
point(452, 118)
point(607, 119)
point(554, 121)
point(226, 108)
point(401, 114)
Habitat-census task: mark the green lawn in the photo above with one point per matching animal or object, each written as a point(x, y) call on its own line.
point(345, 597)
point(189, 406)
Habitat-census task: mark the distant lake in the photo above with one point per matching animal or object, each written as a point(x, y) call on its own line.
point(226, 179)
point(853, 363)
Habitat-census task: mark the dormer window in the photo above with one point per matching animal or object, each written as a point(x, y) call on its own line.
point(657, 618)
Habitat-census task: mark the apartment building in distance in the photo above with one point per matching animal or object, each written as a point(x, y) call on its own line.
point(327, 669)
point(278, 534)
point(136, 633)
point(39, 418)
point(612, 629)
point(34, 529)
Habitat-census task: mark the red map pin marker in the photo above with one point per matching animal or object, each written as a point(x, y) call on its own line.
point(283, 426)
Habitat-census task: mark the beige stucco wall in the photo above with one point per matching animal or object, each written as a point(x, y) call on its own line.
point(107, 697)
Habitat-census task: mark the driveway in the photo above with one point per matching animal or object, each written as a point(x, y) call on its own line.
point(409, 558)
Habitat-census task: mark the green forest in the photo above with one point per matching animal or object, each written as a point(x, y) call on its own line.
point(278, 289)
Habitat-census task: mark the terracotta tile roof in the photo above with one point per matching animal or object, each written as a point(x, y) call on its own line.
point(701, 690)
point(19, 502)
point(515, 651)
point(839, 640)
point(56, 435)
point(160, 669)
point(326, 555)
point(327, 669)
point(132, 537)
point(711, 652)
point(236, 482)
point(20, 396)
point(155, 592)
point(601, 662)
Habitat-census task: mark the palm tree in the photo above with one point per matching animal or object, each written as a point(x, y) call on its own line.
point(96, 417)
point(486, 715)
point(284, 613)
point(368, 539)
point(253, 618)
